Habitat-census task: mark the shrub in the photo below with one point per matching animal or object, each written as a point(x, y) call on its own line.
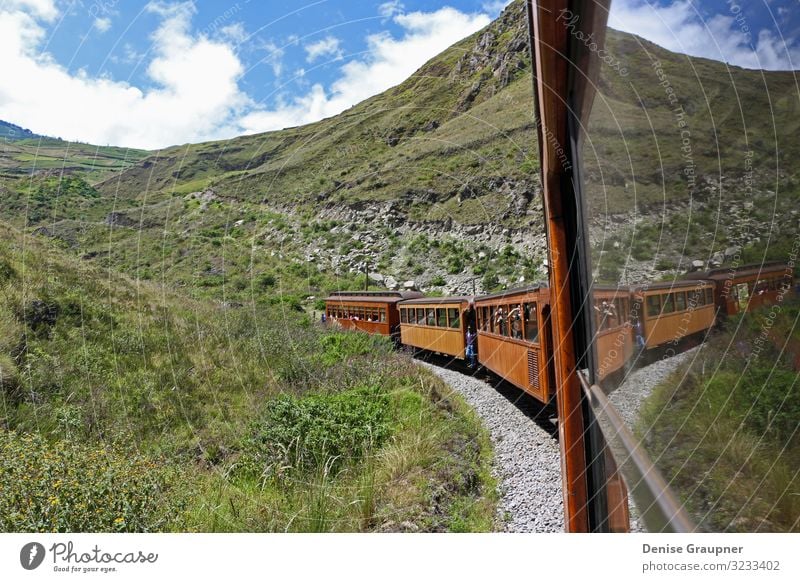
point(66, 487)
point(304, 433)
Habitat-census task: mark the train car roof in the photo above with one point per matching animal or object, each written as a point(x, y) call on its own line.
point(438, 300)
point(372, 296)
point(515, 291)
point(743, 271)
point(665, 285)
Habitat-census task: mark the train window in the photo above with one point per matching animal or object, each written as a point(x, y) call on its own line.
point(453, 318)
point(431, 317)
point(668, 305)
point(412, 316)
point(515, 321)
point(621, 307)
point(383, 315)
point(420, 316)
point(531, 322)
point(709, 296)
point(680, 301)
point(501, 322)
point(484, 312)
point(653, 305)
point(403, 315)
point(441, 317)
point(605, 314)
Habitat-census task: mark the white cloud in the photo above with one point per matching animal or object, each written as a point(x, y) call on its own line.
point(389, 63)
point(326, 47)
point(195, 94)
point(194, 91)
point(235, 32)
point(679, 27)
point(389, 9)
point(273, 55)
point(102, 24)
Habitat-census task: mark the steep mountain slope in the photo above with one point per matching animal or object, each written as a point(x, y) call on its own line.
point(436, 180)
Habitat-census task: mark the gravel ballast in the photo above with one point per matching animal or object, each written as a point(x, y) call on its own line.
point(527, 463)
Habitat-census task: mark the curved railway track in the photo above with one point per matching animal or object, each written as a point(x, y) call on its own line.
point(526, 453)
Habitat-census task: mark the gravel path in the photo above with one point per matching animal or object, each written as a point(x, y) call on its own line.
point(527, 462)
point(639, 385)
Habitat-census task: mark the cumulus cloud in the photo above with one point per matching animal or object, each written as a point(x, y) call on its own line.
point(728, 37)
point(194, 93)
point(390, 61)
point(326, 47)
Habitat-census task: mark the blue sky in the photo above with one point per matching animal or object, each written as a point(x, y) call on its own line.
point(156, 73)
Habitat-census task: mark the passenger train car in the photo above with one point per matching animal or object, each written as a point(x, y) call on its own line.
point(514, 328)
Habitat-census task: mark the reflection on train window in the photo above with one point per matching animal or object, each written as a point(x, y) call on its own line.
point(515, 321)
point(653, 305)
point(441, 317)
point(453, 318)
point(605, 314)
point(680, 301)
point(431, 317)
point(531, 323)
point(669, 304)
point(420, 316)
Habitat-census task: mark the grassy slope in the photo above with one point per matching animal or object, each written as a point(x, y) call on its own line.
point(167, 392)
point(723, 428)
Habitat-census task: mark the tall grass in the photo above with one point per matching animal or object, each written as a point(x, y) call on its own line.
point(272, 422)
point(724, 428)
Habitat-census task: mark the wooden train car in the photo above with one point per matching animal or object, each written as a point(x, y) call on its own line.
point(614, 338)
point(436, 324)
point(745, 288)
point(514, 338)
point(671, 311)
point(369, 311)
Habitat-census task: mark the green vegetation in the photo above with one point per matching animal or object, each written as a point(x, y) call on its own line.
point(723, 428)
point(128, 407)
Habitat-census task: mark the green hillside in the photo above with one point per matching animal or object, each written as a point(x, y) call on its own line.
point(443, 166)
point(127, 407)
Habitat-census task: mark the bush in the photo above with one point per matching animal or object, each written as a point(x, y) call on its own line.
point(305, 433)
point(65, 487)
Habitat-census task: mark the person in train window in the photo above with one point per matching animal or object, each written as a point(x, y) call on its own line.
point(607, 314)
point(470, 353)
point(500, 322)
point(516, 322)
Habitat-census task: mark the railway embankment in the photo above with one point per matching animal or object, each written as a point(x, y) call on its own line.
point(526, 463)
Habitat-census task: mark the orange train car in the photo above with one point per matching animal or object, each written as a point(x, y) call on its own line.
point(514, 338)
point(745, 288)
point(614, 332)
point(436, 324)
point(671, 311)
point(369, 311)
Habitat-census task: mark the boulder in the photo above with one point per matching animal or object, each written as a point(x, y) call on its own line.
point(390, 283)
point(697, 265)
point(409, 285)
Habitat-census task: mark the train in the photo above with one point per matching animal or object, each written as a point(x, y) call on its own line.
point(514, 327)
